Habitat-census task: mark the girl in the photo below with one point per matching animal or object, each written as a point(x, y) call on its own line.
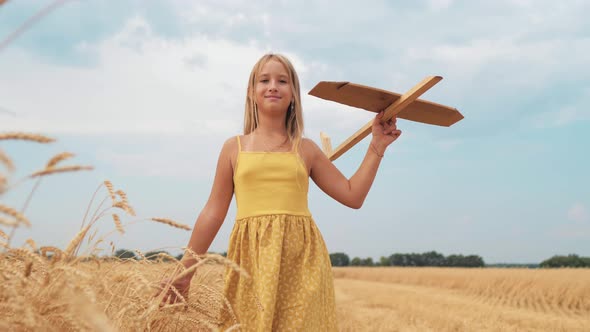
point(275, 238)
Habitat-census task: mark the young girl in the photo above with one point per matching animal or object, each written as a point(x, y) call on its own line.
point(275, 238)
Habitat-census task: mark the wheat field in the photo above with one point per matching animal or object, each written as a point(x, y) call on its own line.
point(447, 299)
point(116, 295)
point(79, 289)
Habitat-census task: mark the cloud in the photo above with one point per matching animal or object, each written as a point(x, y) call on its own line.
point(578, 213)
point(142, 82)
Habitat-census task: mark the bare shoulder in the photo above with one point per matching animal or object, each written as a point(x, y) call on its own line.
point(309, 151)
point(231, 143)
point(230, 150)
point(309, 148)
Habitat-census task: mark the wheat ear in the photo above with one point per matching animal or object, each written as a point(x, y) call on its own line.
point(15, 214)
point(26, 137)
point(62, 169)
point(58, 158)
point(171, 223)
point(4, 159)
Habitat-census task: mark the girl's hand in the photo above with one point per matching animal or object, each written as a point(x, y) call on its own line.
point(182, 285)
point(384, 133)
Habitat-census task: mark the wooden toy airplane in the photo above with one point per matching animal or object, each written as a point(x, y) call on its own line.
point(406, 106)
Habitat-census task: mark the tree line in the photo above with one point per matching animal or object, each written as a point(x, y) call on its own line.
point(571, 260)
point(152, 255)
point(431, 258)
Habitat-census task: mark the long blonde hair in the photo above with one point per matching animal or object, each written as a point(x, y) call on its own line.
point(294, 118)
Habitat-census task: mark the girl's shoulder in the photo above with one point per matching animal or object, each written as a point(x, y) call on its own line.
point(308, 146)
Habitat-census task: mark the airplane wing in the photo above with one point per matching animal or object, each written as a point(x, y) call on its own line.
point(376, 100)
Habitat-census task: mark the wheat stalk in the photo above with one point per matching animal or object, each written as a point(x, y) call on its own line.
point(58, 158)
point(118, 224)
point(32, 244)
point(4, 159)
point(110, 188)
point(26, 137)
point(2, 183)
point(124, 200)
point(3, 235)
point(15, 214)
point(171, 223)
point(44, 250)
point(63, 169)
point(76, 241)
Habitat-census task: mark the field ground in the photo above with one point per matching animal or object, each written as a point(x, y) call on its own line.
point(431, 299)
point(59, 296)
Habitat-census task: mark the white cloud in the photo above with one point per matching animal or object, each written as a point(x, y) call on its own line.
point(439, 4)
point(141, 83)
point(578, 213)
point(561, 117)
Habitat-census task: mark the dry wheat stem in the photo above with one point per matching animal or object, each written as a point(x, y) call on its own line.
point(63, 169)
point(3, 235)
point(171, 223)
point(111, 189)
point(15, 214)
point(118, 224)
point(7, 222)
point(4, 159)
point(3, 184)
point(76, 241)
point(32, 244)
point(26, 137)
point(58, 158)
point(90, 205)
point(25, 205)
point(30, 22)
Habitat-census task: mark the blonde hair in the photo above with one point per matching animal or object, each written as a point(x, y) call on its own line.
point(294, 118)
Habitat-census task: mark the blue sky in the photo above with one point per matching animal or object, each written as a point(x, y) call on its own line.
point(147, 92)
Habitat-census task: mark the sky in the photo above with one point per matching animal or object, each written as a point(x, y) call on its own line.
point(147, 92)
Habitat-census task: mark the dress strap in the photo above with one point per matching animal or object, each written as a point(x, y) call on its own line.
point(239, 144)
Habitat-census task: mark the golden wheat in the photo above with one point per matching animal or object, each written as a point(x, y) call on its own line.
point(8, 222)
point(58, 158)
point(26, 137)
point(171, 223)
point(32, 244)
point(63, 169)
point(3, 183)
point(4, 159)
point(110, 188)
point(118, 224)
point(15, 214)
point(454, 299)
point(73, 245)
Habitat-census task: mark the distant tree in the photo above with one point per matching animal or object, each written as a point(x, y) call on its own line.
point(473, 261)
point(398, 260)
point(355, 261)
point(339, 259)
point(367, 262)
point(384, 261)
point(179, 257)
point(571, 260)
point(433, 258)
point(125, 254)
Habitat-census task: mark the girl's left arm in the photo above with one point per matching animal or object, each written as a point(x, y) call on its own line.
point(352, 192)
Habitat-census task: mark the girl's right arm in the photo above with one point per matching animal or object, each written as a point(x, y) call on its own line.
point(213, 214)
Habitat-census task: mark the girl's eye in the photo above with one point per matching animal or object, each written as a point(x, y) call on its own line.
point(283, 81)
point(264, 80)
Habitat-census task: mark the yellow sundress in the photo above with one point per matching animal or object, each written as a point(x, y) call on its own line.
point(276, 240)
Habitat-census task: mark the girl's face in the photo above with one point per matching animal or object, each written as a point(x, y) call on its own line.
point(273, 88)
